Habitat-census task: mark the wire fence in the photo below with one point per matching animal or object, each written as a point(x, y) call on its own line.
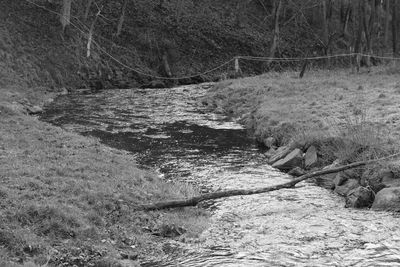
point(242, 64)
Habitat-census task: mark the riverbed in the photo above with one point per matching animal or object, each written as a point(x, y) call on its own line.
point(169, 131)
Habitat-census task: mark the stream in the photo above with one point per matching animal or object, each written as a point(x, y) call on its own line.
point(169, 131)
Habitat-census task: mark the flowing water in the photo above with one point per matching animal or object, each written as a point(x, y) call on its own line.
point(170, 132)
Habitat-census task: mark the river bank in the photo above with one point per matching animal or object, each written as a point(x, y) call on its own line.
point(325, 119)
point(68, 199)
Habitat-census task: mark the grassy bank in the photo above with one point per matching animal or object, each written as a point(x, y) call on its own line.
point(348, 117)
point(69, 199)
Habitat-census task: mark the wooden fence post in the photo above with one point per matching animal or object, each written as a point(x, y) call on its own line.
point(237, 67)
point(303, 68)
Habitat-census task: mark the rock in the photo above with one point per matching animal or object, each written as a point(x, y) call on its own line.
point(269, 142)
point(16, 108)
point(346, 187)
point(297, 171)
point(32, 110)
point(64, 91)
point(334, 164)
point(129, 256)
point(387, 199)
point(310, 158)
point(292, 160)
point(170, 248)
point(360, 197)
point(155, 84)
point(340, 179)
point(281, 152)
point(388, 179)
point(327, 180)
point(270, 152)
point(383, 179)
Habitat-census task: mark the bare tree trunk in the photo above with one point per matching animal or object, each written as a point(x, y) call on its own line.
point(166, 66)
point(275, 40)
point(346, 20)
point(179, 11)
point(65, 16)
point(90, 37)
point(369, 22)
point(122, 18)
point(87, 10)
point(346, 17)
point(387, 20)
point(325, 25)
point(303, 69)
point(394, 27)
point(358, 39)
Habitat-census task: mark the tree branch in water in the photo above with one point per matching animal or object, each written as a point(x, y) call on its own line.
point(242, 192)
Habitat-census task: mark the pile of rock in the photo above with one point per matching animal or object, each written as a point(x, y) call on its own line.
point(381, 192)
point(291, 159)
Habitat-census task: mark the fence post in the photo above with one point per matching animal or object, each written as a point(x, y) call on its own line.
point(303, 68)
point(358, 58)
point(237, 67)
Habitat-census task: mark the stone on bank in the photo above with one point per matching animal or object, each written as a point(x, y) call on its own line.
point(297, 172)
point(311, 157)
point(359, 193)
point(292, 160)
point(346, 187)
point(280, 153)
point(360, 197)
point(387, 199)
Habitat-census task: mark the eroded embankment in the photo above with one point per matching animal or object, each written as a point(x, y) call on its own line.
point(69, 200)
point(326, 119)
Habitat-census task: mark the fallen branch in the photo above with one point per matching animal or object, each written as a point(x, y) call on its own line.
point(242, 192)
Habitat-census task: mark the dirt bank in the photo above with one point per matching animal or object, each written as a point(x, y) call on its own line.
point(67, 199)
point(345, 117)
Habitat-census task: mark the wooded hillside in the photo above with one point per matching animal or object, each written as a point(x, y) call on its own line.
point(103, 43)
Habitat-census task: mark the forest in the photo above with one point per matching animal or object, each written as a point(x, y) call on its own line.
point(125, 43)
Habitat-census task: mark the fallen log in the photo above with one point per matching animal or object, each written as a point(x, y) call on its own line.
point(242, 192)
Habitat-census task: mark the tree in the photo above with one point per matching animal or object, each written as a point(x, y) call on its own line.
point(325, 25)
point(122, 17)
point(277, 6)
point(345, 16)
point(65, 16)
point(358, 29)
point(394, 26)
point(369, 17)
point(87, 9)
point(387, 20)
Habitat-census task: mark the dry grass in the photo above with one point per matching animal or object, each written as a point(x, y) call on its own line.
point(61, 192)
point(349, 116)
point(316, 100)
